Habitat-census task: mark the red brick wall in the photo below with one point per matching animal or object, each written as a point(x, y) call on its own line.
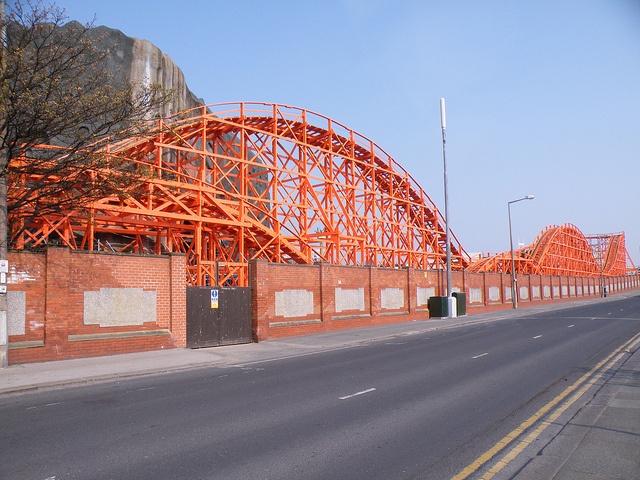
point(28, 271)
point(55, 283)
point(426, 279)
point(321, 280)
point(270, 278)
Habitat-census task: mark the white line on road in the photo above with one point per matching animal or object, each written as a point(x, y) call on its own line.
point(53, 404)
point(358, 393)
point(537, 336)
point(47, 405)
point(571, 326)
point(481, 355)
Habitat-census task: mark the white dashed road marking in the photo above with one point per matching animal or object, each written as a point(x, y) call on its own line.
point(358, 393)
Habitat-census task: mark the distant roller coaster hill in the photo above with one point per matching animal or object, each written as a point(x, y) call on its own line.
point(565, 251)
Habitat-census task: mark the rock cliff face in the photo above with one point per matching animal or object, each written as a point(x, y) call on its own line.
point(141, 62)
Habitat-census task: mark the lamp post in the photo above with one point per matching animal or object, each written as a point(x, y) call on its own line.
point(443, 125)
point(514, 296)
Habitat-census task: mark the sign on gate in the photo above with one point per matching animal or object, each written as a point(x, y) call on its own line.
point(214, 298)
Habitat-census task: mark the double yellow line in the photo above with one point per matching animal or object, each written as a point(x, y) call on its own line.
point(553, 409)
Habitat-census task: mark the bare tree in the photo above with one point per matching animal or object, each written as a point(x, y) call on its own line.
point(56, 90)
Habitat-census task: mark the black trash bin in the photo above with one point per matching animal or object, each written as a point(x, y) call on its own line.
point(461, 303)
point(438, 307)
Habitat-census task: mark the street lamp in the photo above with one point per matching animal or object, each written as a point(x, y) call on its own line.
point(514, 296)
point(443, 124)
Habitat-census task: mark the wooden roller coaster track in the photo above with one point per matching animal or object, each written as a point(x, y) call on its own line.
point(564, 251)
point(229, 183)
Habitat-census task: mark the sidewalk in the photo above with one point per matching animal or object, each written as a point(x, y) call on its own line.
point(33, 376)
point(602, 441)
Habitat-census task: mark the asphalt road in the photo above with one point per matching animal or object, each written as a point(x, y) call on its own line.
point(418, 406)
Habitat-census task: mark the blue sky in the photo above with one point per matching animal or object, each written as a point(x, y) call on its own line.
point(543, 97)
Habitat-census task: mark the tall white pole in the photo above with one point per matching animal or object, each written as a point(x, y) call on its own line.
point(443, 124)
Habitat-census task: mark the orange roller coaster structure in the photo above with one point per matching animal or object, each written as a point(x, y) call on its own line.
point(240, 181)
point(564, 251)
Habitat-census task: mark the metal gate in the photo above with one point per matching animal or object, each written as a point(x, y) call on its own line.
point(218, 316)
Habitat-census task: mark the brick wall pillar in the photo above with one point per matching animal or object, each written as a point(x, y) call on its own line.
point(327, 296)
point(260, 298)
point(374, 292)
point(485, 290)
point(58, 300)
point(412, 291)
point(178, 299)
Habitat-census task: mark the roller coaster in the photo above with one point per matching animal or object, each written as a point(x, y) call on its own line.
point(235, 182)
point(564, 251)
